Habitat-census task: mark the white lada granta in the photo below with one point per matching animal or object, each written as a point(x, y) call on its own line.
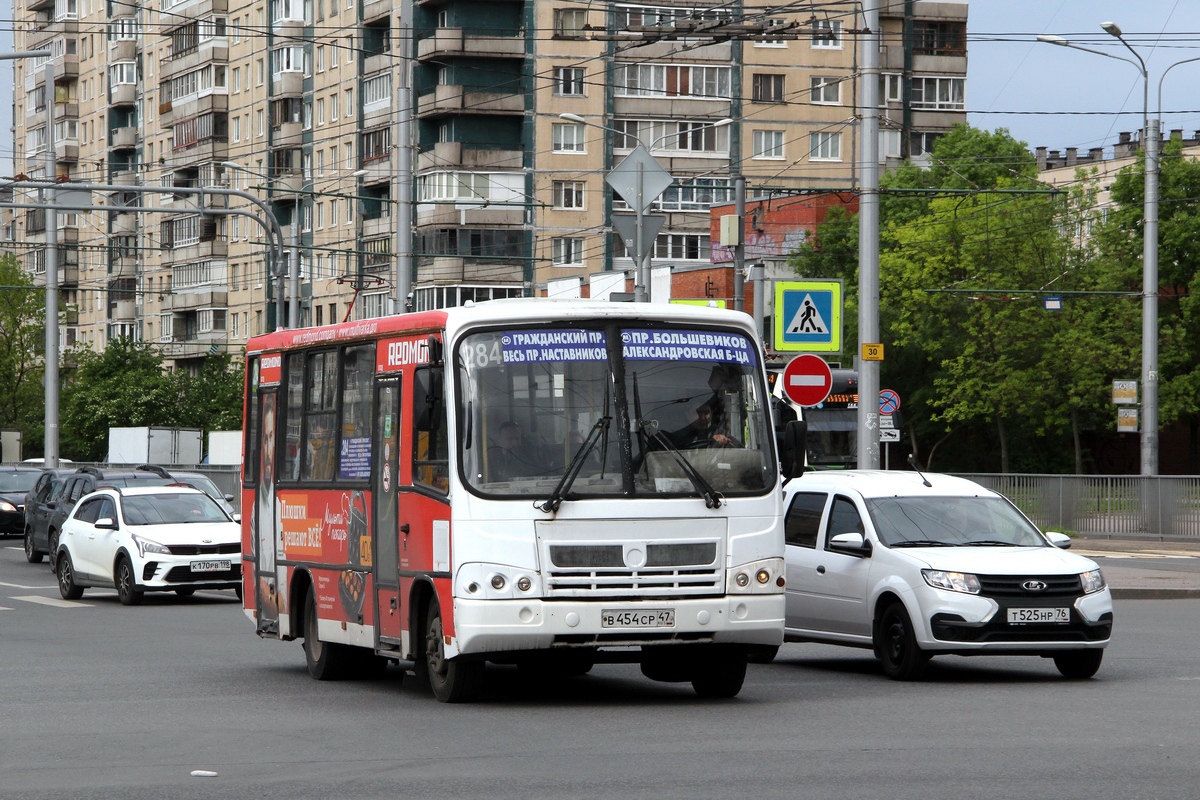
point(914, 566)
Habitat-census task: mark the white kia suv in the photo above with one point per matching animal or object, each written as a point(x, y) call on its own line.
point(148, 539)
point(914, 565)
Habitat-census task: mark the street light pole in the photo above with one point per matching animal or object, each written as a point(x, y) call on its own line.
point(1150, 139)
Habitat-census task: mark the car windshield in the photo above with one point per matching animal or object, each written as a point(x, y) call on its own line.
point(171, 509)
point(12, 482)
point(638, 411)
point(203, 484)
point(955, 521)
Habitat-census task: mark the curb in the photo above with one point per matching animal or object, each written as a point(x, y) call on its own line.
point(1155, 594)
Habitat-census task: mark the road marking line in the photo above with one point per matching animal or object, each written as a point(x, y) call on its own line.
point(5, 608)
point(22, 586)
point(18, 549)
point(52, 601)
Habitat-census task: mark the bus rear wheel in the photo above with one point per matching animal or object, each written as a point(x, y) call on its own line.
point(452, 680)
point(326, 661)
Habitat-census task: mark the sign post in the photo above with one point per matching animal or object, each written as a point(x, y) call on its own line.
point(807, 380)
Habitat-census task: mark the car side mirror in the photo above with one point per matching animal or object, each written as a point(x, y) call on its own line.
point(237, 517)
point(106, 523)
point(1060, 540)
point(852, 544)
point(228, 498)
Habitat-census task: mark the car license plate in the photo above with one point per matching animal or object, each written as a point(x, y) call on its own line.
point(212, 566)
point(1022, 616)
point(648, 618)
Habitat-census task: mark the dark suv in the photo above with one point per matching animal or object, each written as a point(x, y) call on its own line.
point(15, 484)
point(44, 520)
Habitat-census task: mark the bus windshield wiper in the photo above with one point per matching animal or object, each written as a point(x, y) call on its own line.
point(711, 498)
point(599, 431)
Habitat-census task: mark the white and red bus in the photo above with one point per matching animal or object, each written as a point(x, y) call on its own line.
point(533, 482)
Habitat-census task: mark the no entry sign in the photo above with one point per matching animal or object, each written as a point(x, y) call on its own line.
point(807, 380)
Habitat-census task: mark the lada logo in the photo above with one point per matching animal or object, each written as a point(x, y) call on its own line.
point(1034, 586)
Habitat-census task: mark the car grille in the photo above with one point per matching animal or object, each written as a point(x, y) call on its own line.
point(1011, 586)
point(205, 549)
point(597, 570)
point(184, 574)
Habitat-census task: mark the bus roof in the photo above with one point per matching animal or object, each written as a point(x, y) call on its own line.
point(530, 309)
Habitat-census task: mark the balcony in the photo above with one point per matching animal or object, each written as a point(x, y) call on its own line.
point(287, 84)
point(124, 222)
point(123, 94)
point(67, 151)
point(453, 99)
point(288, 134)
point(465, 270)
point(122, 311)
point(65, 111)
point(216, 248)
point(40, 38)
point(373, 9)
point(446, 42)
point(125, 177)
point(122, 50)
point(123, 138)
point(379, 226)
point(449, 214)
point(171, 66)
point(446, 155)
point(190, 301)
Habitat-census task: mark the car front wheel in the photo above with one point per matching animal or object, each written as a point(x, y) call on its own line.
point(896, 645)
point(66, 578)
point(32, 554)
point(127, 591)
point(1079, 664)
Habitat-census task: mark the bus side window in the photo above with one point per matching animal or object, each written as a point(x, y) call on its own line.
point(431, 460)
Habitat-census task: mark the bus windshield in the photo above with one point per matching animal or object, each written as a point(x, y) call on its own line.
point(628, 411)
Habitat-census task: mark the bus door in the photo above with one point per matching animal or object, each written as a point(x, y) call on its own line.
point(265, 589)
point(384, 477)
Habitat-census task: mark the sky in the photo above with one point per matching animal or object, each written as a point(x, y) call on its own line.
point(1049, 95)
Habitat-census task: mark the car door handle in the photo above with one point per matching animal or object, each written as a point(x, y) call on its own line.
point(821, 569)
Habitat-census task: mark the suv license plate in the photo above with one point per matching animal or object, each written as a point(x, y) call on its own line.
point(1022, 616)
point(648, 618)
point(211, 566)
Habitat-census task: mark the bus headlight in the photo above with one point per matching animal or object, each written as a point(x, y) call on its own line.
point(496, 582)
point(764, 576)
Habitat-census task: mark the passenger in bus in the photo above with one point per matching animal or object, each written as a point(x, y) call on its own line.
point(704, 431)
point(510, 457)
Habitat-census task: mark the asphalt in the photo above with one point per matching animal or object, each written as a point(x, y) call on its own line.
point(1146, 568)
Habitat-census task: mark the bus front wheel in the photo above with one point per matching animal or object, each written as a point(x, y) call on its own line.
point(453, 680)
point(721, 674)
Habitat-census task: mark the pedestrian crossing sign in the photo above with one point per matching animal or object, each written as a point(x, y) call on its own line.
point(808, 316)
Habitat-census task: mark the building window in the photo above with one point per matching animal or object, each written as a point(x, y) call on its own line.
point(768, 88)
point(570, 23)
point(827, 34)
point(768, 144)
point(699, 136)
point(375, 145)
point(825, 146)
point(687, 194)
point(939, 38)
point(825, 91)
point(568, 194)
point(372, 306)
point(567, 137)
point(681, 247)
point(671, 80)
point(568, 81)
point(939, 93)
point(567, 251)
point(772, 41)
point(921, 142)
point(893, 87)
point(450, 186)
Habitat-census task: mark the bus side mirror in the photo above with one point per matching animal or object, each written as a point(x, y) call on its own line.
point(793, 449)
point(427, 399)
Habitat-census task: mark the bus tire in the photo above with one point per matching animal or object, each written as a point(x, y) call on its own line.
point(763, 653)
point(452, 680)
point(326, 661)
point(721, 675)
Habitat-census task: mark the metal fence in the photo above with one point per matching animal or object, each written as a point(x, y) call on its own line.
point(1105, 505)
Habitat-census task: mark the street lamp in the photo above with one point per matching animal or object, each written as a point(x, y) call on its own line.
point(293, 271)
point(641, 293)
point(1150, 128)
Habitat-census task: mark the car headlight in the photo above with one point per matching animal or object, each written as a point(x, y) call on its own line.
point(1093, 581)
point(963, 582)
point(7, 506)
point(145, 545)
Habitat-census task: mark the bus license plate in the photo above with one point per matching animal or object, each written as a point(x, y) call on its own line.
point(649, 618)
point(1022, 616)
point(211, 566)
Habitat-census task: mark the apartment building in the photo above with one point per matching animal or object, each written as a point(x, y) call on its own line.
point(296, 102)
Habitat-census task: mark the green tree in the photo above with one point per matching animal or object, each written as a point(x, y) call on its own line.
point(22, 343)
point(122, 386)
point(211, 398)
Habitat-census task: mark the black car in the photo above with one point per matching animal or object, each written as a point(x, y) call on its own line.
point(15, 483)
point(46, 519)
